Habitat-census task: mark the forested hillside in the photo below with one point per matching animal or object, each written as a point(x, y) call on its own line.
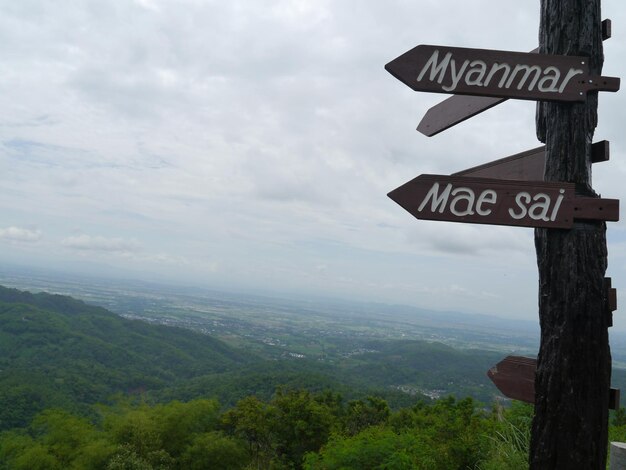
point(82, 388)
point(61, 352)
point(57, 351)
point(294, 430)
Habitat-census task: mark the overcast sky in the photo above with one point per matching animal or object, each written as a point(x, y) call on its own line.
point(250, 144)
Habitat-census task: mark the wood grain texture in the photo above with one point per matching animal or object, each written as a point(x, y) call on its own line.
point(570, 428)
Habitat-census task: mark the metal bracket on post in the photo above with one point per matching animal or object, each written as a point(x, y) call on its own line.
point(614, 396)
point(606, 29)
point(611, 299)
point(602, 84)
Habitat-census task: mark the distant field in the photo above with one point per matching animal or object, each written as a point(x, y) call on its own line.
point(362, 342)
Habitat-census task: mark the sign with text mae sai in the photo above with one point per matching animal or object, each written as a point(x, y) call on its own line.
point(505, 74)
point(500, 202)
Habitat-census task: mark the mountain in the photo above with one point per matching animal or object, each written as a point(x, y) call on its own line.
point(58, 351)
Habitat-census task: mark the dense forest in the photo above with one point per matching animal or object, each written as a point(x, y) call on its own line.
point(295, 429)
point(56, 351)
point(82, 388)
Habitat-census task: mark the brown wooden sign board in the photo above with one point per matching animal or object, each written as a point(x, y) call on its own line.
point(453, 111)
point(514, 376)
point(528, 165)
point(459, 108)
point(504, 74)
point(500, 202)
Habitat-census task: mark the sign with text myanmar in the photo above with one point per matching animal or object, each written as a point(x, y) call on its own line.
point(520, 75)
point(500, 202)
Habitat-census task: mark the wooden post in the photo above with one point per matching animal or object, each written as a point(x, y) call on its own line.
point(570, 428)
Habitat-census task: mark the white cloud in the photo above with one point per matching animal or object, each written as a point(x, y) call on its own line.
point(17, 234)
point(232, 137)
point(101, 244)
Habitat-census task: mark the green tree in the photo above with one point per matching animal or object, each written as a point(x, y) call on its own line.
point(177, 423)
point(362, 414)
point(62, 434)
point(20, 451)
point(94, 454)
point(136, 429)
point(619, 417)
point(215, 451)
point(127, 459)
point(37, 457)
point(301, 424)
point(372, 449)
point(56, 439)
point(449, 435)
point(252, 421)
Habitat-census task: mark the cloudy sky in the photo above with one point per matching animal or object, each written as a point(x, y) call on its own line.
point(250, 144)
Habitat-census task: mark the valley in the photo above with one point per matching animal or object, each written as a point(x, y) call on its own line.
point(403, 350)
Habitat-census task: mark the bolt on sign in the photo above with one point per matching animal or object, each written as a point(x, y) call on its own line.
point(528, 76)
point(500, 202)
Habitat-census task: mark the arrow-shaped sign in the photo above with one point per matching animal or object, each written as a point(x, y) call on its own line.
point(504, 74)
point(458, 108)
point(528, 165)
point(453, 111)
point(515, 378)
point(500, 202)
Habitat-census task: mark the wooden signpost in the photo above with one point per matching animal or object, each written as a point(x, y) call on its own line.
point(569, 382)
point(500, 202)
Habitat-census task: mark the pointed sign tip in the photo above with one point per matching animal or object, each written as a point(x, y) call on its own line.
point(425, 129)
